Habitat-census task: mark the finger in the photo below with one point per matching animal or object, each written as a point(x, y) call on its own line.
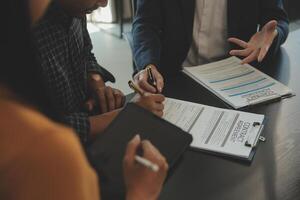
point(160, 84)
point(270, 36)
point(144, 85)
point(159, 98)
point(151, 153)
point(271, 26)
point(158, 106)
point(263, 52)
point(161, 160)
point(243, 53)
point(143, 82)
point(119, 96)
point(238, 42)
point(158, 113)
point(89, 105)
point(159, 81)
point(131, 149)
point(102, 99)
point(252, 57)
point(110, 99)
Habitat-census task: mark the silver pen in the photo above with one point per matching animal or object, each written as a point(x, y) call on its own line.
point(147, 163)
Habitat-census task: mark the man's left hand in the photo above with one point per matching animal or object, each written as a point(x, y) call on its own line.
point(259, 44)
point(104, 97)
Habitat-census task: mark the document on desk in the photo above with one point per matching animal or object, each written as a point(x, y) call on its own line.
point(236, 84)
point(223, 131)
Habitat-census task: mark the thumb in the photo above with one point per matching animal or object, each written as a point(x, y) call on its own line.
point(131, 149)
point(271, 26)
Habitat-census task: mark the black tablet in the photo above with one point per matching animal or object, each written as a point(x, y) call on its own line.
point(107, 151)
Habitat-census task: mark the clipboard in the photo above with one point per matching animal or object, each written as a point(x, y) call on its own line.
point(258, 139)
point(268, 92)
point(252, 142)
point(107, 152)
point(218, 131)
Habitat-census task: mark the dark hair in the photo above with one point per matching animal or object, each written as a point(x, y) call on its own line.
point(19, 70)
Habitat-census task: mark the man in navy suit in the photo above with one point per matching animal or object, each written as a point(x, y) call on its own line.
point(169, 34)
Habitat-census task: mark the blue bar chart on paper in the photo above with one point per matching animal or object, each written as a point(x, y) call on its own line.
point(236, 84)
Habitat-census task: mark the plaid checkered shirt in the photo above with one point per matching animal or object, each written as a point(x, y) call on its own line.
point(65, 54)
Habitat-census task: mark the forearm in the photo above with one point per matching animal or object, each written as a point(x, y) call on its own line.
point(99, 122)
point(147, 29)
point(146, 46)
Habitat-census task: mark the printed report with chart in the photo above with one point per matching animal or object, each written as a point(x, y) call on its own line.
point(236, 84)
point(229, 132)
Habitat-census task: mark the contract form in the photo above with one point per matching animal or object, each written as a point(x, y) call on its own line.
point(224, 131)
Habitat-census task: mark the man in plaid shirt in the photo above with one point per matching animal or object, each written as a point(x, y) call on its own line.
point(74, 79)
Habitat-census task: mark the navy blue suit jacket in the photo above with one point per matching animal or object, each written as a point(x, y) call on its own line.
point(162, 29)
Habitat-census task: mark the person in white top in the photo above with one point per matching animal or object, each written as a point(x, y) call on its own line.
point(169, 34)
point(209, 33)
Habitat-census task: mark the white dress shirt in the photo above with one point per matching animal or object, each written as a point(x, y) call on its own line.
point(209, 33)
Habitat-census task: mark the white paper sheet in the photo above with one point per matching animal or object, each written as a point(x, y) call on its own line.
point(238, 85)
point(214, 129)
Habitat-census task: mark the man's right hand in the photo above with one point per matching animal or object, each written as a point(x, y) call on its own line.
point(141, 182)
point(151, 102)
point(141, 79)
point(103, 97)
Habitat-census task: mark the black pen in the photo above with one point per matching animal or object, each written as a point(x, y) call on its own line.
point(151, 79)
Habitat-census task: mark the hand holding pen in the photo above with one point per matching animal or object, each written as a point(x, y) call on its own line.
point(143, 179)
point(151, 102)
point(150, 80)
